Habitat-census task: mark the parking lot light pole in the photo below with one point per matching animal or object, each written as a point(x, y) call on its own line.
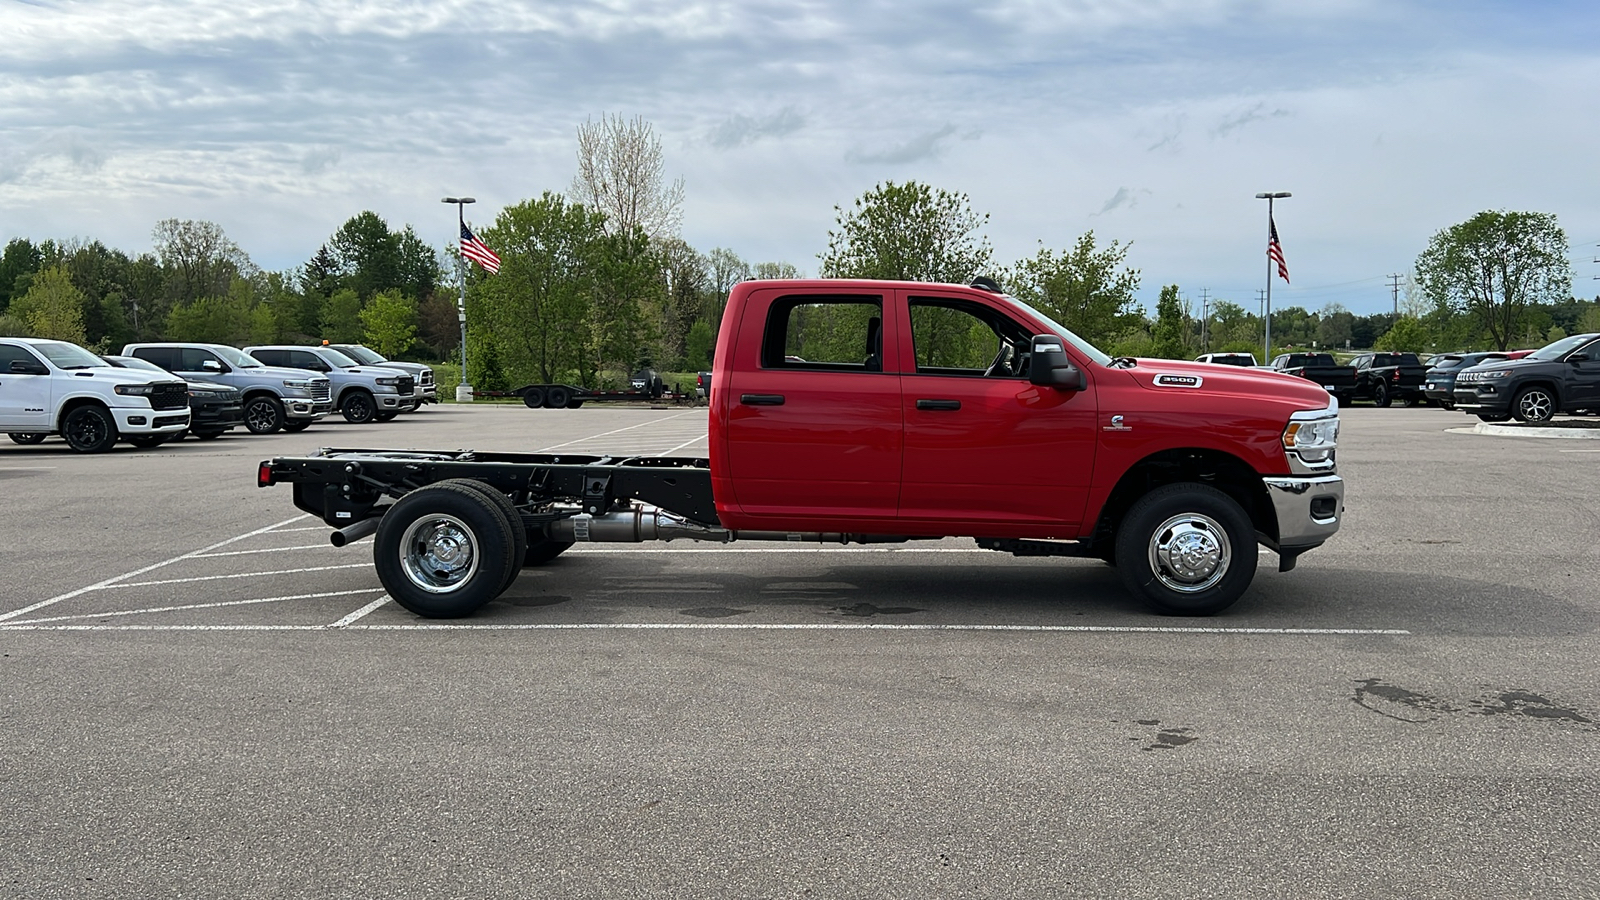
point(463, 390)
point(1266, 352)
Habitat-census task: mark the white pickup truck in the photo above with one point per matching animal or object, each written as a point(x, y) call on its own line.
point(53, 387)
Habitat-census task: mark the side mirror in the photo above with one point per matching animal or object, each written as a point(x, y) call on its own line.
point(1050, 366)
point(1578, 358)
point(210, 365)
point(25, 367)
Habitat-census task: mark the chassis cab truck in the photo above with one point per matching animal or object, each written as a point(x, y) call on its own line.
point(872, 411)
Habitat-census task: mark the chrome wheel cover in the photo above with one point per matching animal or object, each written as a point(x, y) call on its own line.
point(438, 553)
point(1190, 553)
point(1536, 406)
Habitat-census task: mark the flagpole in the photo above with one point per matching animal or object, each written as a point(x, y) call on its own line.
point(1266, 351)
point(464, 389)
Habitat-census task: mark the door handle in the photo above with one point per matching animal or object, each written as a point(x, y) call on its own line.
point(761, 399)
point(938, 404)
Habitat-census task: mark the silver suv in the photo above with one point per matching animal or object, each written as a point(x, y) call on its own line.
point(274, 398)
point(362, 393)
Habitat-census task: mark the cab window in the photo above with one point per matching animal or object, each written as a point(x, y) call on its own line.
point(956, 337)
point(194, 359)
point(10, 353)
point(830, 333)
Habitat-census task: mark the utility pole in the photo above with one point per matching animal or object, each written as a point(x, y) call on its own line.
point(1205, 320)
point(1394, 288)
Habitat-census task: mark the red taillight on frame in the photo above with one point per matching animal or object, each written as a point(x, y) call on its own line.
point(264, 475)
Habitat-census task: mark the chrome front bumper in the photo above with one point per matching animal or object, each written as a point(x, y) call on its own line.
point(1308, 511)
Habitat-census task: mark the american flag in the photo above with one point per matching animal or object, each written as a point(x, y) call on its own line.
point(479, 252)
point(1275, 250)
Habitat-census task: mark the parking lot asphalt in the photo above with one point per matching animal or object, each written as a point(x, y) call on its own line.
point(204, 698)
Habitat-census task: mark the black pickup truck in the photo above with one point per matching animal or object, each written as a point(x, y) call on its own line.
point(1322, 368)
point(1562, 377)
point(1386, 377)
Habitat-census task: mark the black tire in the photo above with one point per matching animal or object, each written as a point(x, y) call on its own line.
point(384, 416)
point(208, 435)
point(1534, 405)
point(519, 535)
point(1212, 524)
point(1489, 418)
point(1345, 400)
point(263, 414)
point(556, 397)
point(1447, 404)
point(146, 441)
point(295, 426)
point(28, 438)
point(358, 407)
point(574, 403)
point(533, 398)
point(90, 429)
point(442, 551)
point(1380, 394)
point(541, 550)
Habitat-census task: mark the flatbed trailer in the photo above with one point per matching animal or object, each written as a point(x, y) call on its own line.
point(571, 396)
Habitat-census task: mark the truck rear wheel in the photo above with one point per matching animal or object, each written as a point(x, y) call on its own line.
point(1186, 550)
point(90, 429)
point(519, 535)
point(443, 551)
point(1380, 394)
point(27, 438)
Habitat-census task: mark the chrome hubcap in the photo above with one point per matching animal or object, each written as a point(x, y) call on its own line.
point(1190, 553)
point(438, 553)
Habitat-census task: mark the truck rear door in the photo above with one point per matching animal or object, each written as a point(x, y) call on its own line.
point(982, 443)
point(814, 426)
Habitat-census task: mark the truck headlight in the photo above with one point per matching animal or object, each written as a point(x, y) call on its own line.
point(1313, 440)
point(301, 387)
point(387, 382)
point(134, 390)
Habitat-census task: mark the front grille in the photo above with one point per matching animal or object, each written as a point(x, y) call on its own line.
point(169, 395)
point(164, 421)
point(321, 389)
point(405, 386)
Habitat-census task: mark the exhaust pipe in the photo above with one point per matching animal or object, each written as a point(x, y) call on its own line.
point(356, 532)
point(648, 523)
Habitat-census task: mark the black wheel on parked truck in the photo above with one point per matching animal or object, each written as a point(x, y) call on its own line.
point(533, 398)
point(1380, 393)
point(519, 535)
point(28, 437)
point(557, 397)
point(147, 441)
point(358, 407)
point(90, 429)
point(442, 551)
point(1186, 550)
point(294, 426)
point(263, 414)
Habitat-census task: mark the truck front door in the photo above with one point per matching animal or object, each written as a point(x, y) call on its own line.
point(24, 397)
point(1583, 378)
point(814, 422)
point(983, 445)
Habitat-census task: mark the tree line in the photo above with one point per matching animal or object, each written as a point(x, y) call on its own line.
point(596, 281)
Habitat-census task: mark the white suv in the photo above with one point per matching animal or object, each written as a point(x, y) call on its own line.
point(53, 387)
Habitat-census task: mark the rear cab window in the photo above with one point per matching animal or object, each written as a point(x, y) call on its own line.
point(827, 333)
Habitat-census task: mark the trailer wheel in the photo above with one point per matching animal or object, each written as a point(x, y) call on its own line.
point(542, 550)
point(519, 535)
point(557, 397)
point(574, 403)
point(442, 551)
point(533, 397)
point(1187, 550)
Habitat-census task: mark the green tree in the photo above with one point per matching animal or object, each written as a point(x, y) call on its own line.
point(699, 345)
point(1169, 337)
point(341, 318)
point(1086, 289)
point(366, 255)
point(1494, 265)
point(52, 307)
point(908, 232)
point(1333, 326)
point(1407, 335)
point(19, 262)
point(197, 259)
point(235, 318)
point(390, 320)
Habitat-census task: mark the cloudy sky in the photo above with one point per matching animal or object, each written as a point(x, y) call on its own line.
point(1153, 122)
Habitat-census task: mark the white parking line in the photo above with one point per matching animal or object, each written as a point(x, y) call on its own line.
point(132, 584)
point(166, 562)
point(347, 620)
point(724, 626)
point(683, 445)
point(162, 609)
point(616, 431)
point(264, 550)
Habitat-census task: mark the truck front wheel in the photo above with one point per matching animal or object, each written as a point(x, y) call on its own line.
point(358, 407)
point(90, 429)
point(443, 551)
point(1186, 550)
point(263, 414)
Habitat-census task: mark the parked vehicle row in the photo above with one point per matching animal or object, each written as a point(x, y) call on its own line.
point(155, 392)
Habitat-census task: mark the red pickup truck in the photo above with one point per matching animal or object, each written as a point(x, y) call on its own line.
point(872, 411)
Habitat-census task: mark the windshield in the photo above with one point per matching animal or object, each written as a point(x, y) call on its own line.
point(69, 356)
point(335, 358)
point(134, 362)
point(360, 353)
point(1083, 346)
point(1561, 348)
point(236, 358)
